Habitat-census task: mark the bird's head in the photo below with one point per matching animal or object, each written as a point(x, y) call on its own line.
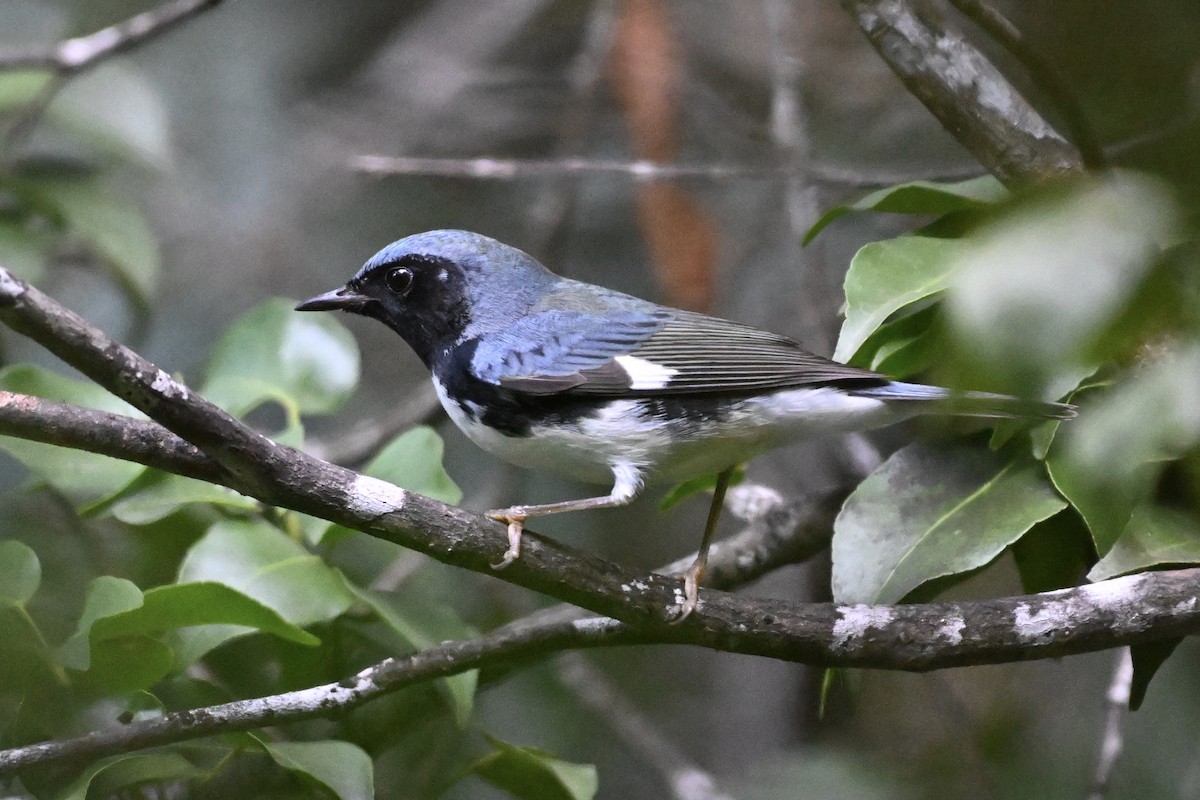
point(437, 287)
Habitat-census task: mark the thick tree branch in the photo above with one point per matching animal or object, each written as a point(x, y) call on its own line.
point(964, 90)
point(75, 55)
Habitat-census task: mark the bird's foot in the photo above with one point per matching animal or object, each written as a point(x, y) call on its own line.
point(516, 526)
point(691, 591)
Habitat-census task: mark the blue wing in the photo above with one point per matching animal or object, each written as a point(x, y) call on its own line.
point(610, 344)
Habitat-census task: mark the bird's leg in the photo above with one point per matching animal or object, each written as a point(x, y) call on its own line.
point(627, 483)
point(695, 573)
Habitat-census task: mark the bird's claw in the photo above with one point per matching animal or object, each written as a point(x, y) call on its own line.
point(691, 592)
point(516, 526)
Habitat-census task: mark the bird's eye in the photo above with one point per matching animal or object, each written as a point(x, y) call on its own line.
point(399, 279)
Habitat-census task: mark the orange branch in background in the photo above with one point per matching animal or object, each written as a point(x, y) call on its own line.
point(646, 71)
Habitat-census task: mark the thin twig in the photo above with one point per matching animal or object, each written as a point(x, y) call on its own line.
point(75, 55)
point(1043, 73)
point(506, 169)
point(1113, 742)
point(566, 166)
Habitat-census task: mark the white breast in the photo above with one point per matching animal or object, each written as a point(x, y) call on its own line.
point(678, 449)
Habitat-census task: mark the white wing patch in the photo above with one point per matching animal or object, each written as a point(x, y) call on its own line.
point(645, 374)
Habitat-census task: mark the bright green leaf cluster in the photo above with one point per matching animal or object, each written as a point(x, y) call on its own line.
point(1084, 291)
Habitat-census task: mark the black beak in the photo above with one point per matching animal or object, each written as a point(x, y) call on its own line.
point(344, 298)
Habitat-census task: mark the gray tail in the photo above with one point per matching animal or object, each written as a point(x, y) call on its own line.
point(967, 404)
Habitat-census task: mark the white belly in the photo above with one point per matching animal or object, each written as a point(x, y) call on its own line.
point(677, 449)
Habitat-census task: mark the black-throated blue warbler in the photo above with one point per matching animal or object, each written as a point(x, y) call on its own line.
point(549, 372)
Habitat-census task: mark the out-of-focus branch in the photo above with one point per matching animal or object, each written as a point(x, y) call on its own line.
point(684, 778)
point(505, 169)
point(1043, 74)
point(1113, 739)
point(965, 91)
point(75, 55)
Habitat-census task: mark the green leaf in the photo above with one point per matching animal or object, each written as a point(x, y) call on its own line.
point(340, 767)
point(155, 495)
point(113, 227)
point(1147, 658)
point(412, 461)
point(118, 664)
point(422, 628)
point(705, 483)
point(929, 512)
point(183, 605)
point(261, 562)
point(901, 347)
point(105, 597)
point(20, 573)
point(887, 276)
point(76, 474)
point(1107, 461)
point(108, 777)
point(1036, 286)
point(919, 197)
point(534, 774)
point(310, 358)
point(1154, 537)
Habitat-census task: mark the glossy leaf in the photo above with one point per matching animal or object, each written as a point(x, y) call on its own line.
point(919, 197)
point(903, 346)
point(887, 276)
point(533, 774)
point(74, 473)
point(929, 512)
point(260, 561)
point(183, 605)
point(1154, 537)
point(108, 777)
point(310, 358)
point(20, 573)
point(340, 767)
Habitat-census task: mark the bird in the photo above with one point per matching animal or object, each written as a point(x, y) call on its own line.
point(548, 372)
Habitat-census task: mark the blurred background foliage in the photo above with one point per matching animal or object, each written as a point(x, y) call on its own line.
point(174, 194)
